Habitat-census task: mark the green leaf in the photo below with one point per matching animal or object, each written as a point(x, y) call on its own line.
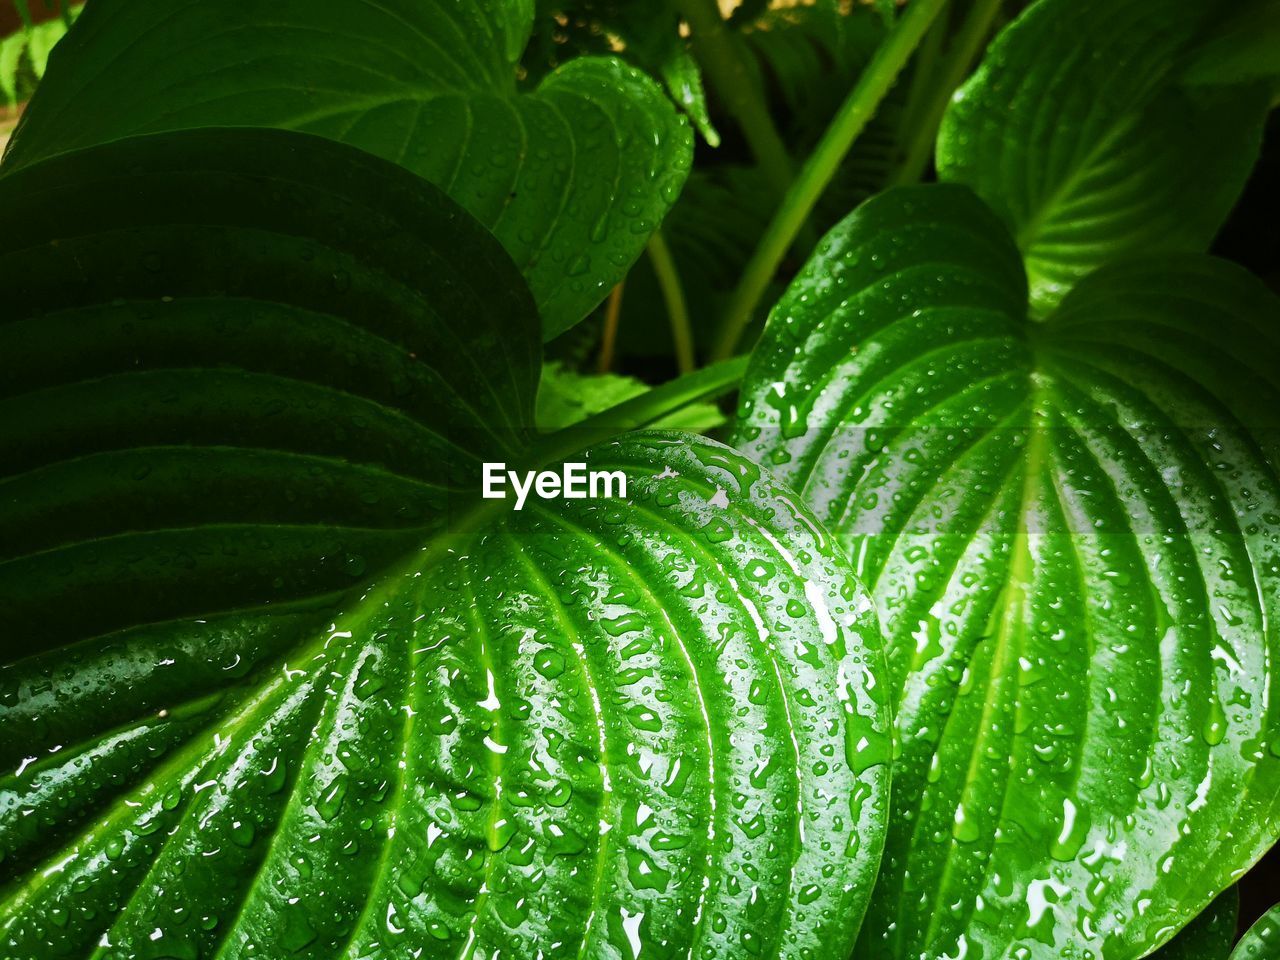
point(11, 51)
point(1071, 530)
point(24, 55)
point(289, 687)
point(1074, 130)
point(1262, 940)
point(566, 398)
point(1209, 936)
point(572, 178)
point(680, 72)
point(1243, 48)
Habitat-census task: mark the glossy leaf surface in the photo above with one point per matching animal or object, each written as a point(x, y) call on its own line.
point(1070, 532)
point(566, 398)
point(276, 685)
point(1262, 940)
point(1075, 130)
point(572, 177)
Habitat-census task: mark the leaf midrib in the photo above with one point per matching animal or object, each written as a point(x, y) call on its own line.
point(1018, 578)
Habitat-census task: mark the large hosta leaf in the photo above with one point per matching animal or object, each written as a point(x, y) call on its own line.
point(572, 177)
point(277, 684)
point(1070, 531)
point(1074, 129)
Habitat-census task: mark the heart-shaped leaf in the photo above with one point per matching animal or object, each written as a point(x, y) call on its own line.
point(572, 177)
point(289, 687)
point(1071, 532)
point(1074, 130)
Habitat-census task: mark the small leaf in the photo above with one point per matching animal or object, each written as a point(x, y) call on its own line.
point(1074, 130)
point(680, 72)
point(278, 682)
point(572, 178)
point(1071, 530)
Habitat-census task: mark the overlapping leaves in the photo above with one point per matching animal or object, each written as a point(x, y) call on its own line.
point(572, 178)
point(275, 684)
point(1071, 530)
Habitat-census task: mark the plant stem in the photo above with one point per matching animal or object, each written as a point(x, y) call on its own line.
point(924, 67)
point(821, 166)
point(673, 294)
point(638, 412)
point(609, 339)
point(719, 53)
point(962, 52)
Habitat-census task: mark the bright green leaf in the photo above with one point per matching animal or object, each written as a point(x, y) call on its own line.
point(11, 50)
point(572, 178)
point(24, 55)
point(1209, 936)
point(1262, 940)
point(1073, 130)
point(566, 398)
point(680, 72)
point(288, 687)
point(1071, 530)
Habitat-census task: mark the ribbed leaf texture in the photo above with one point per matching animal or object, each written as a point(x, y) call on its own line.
point(279, 684)
point(1071, 532)
point(572, 178)
point(1077, 129)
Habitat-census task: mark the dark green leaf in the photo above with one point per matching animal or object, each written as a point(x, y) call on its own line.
point(647, 33)
point(572, 178)
point(1073, 130)
point(1243, 48)
point(1071, 530)
point(288, 688)
point(1207, 937)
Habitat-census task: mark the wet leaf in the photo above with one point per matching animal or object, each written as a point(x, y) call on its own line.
point(572, 178)
point(1075, 129)
point(1207, 937)
point(278, 683)
point(1262, 940)
point(1071, 530)
point(566, 398)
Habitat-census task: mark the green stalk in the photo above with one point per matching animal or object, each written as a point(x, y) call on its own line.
point(708, 383)
point(849, 122)
point(964, 49)
point(664, 266)
point(924, 68)
point(718, 51)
